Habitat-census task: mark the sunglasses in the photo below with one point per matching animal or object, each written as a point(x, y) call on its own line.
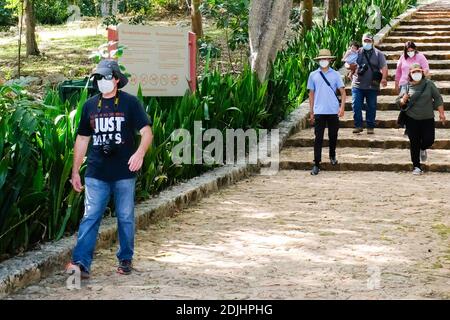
point(100, 77)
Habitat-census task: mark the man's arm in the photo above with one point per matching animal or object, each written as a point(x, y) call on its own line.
point(343, 101)
point(137, 159)
point(79, 152)
point(311, 106)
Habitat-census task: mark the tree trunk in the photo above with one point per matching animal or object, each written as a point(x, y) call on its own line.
point(30, 22)
point(196, 18)
point(307, 14)
point(267, 22)
point(331, 10)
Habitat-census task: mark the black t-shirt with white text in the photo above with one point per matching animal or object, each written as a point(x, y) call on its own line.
point(120, 126)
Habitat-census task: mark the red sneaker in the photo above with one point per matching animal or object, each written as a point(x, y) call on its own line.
point(125, 267)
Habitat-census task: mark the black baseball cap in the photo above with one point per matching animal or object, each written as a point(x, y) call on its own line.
point(109, 67)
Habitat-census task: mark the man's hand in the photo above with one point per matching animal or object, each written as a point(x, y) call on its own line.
point(384, 83)
point(311, 118)
point(76, 182)
point(135, 162)
point(341, 112)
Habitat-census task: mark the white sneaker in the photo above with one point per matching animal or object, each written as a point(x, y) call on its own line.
point(417, 171)
point(423, 155)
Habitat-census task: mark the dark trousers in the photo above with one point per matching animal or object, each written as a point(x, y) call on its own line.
point(421, 137)
point(321, 121)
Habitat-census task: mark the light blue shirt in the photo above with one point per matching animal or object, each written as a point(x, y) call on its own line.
point(352, 57)
point(325, 101)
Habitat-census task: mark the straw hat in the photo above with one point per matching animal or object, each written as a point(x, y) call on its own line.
point(324, 54)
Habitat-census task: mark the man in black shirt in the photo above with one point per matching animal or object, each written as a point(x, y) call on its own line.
point(112, 119)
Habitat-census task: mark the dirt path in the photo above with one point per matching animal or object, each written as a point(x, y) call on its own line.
point(342, 235)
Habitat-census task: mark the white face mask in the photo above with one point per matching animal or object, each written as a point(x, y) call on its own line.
point(105, 86)
point(367, 46)
point(324, 63)
point(417, 76)
point(411, 54)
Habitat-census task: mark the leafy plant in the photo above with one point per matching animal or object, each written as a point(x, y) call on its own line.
point(51, 11)
point(232, 16)
point(111, 21)
point(7, 18)
point(206, 46)
point(137, 19)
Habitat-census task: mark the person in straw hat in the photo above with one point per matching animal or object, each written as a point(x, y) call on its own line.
point(418, 100)
point(325, 106)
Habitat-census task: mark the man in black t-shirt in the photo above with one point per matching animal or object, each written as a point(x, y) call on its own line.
point(111, 119)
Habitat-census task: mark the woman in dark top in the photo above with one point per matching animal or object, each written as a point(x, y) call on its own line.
point(420, 98)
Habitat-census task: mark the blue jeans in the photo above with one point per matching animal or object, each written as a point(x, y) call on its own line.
point(358, 96)
point(96, 199)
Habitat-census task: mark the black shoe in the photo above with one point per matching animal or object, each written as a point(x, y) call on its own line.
point(333, 161)
point(315, 170)
point(124, 267)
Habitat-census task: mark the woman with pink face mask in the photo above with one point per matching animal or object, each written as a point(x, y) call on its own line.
point(410, 56)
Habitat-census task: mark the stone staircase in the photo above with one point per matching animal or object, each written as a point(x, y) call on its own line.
point(388, 148)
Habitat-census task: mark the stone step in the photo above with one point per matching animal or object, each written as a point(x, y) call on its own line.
point(431, 21)
point(436, 75)
point(364, 159)
point(388, 119)
point(383, 138)
point(423, 27)
point(434, 64)
point(388, 45)
point(444, 88)
point(436, 6)
point(419, 33)
point(425, 39)
point(431, 55)
point(387, 103)
point(431, 15)
point(430, 9)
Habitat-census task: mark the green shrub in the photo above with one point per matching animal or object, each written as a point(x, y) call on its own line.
point(231, 16)
point(89, 8)
point(51, 11)
point(144, 7)
point(207, 47)
point(7, 17)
